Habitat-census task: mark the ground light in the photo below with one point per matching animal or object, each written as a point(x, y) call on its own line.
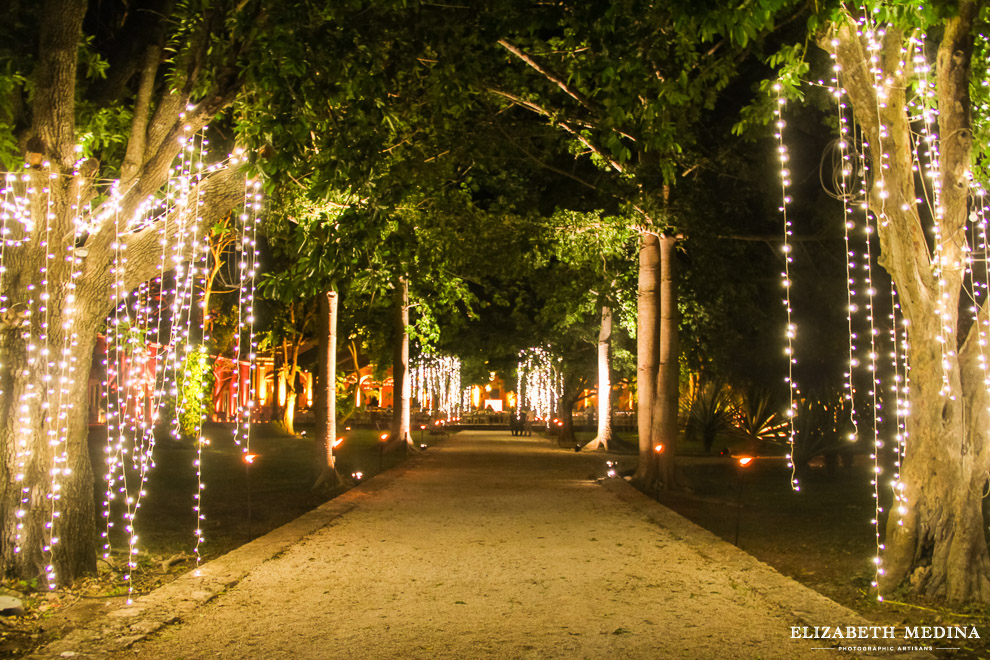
point(422, 431)
point(611, 468)
point(381, 452)
point(249, 459)
point(657, 450)
point(741, 462)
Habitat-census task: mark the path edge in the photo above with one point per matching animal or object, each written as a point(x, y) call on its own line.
point(122, 625)
point(800, 603)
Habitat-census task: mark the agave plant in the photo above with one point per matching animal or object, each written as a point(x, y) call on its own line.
point(759, 420)
point(822, 428)
point(711, 412)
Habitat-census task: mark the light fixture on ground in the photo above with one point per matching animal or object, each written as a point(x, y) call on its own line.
point(742, 462)
point(381, 451)
point(657, 450)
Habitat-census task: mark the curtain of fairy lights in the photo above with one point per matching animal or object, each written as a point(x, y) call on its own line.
point(152, 334)
point(540, 382)
point(862, 169)
point(436, 383)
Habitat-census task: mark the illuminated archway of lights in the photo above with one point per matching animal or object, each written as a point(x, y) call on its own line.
point(435, 382)
point(539, 382)
point(149, 333)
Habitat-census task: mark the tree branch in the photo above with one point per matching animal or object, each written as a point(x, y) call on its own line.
point(539, 162)
point(142, 110)
point(540, 110)
point(549, 75)
point(53, 122)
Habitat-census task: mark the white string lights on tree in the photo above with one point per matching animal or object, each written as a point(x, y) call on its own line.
point(137, 377)
point(540, 382)
point(246, 344)
point(436, 383)
point(790, 331)
point(844, 193)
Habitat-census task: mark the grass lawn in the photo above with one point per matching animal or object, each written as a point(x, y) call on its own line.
point(240, 501)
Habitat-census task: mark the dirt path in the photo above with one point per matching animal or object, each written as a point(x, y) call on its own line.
point(493, 546)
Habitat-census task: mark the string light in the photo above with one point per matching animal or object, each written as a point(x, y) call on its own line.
point(846, 195)
point(436, 383)
point(540, 382)
point(790, 332)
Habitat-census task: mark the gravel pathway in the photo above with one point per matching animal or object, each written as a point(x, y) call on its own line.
point(501, 547)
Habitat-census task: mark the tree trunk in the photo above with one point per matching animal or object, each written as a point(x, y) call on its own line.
point(29, 457)
point(604, 435)
point(400, 367)
point(664, 423)
point(935, 541)
point(289, 410)
point(647, 359)
point(326, 393)
point(565, 410)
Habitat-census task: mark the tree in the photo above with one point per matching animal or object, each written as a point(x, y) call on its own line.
point(291, 331)
point(630, 84)
point(935, 536)
point(604, 435)
point(77, 211)
point(124, 83)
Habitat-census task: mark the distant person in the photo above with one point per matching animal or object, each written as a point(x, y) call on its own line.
point(528, 419)
point(513, 423)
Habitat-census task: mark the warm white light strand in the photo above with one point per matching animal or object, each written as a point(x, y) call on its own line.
point(790, 332)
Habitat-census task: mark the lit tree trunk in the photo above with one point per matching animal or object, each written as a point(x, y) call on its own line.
point(358, 398)
point(604, 435)
point(400, 367)
point(664, 423)
point(646, 354)
point(326, 396)
point(289, 371)
point(935, 540)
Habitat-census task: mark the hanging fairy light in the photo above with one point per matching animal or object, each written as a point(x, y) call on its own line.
point(791, 328)
point(541, 382)
point(245, 349)
point(846, 196)
point(436, 383)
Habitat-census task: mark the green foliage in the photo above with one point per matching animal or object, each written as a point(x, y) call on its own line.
point(759, 418)
point(195, 388)
point(712, 412)
point(821, 425)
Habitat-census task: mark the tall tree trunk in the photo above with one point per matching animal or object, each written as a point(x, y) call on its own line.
point(647, 358)
point(289, 410)
point(326, 393)
point(935, 539)
point(400, 367)
point(565, 409)
point(664, 423)
point(604, 435)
